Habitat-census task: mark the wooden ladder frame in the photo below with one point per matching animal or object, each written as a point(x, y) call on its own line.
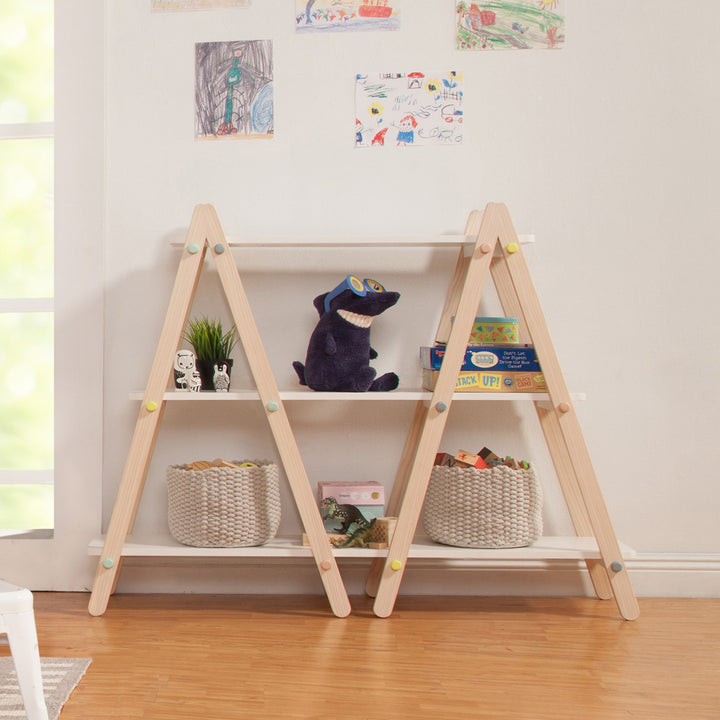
point(497, 252)
point(205, 234)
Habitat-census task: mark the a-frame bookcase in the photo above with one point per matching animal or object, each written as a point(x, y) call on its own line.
point(206, 235)
point(497, 252)
point(490, 247)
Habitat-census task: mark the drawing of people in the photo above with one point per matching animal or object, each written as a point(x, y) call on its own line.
point(406, 134)
point(233, 78)
point(358, 132)
point(233, 89)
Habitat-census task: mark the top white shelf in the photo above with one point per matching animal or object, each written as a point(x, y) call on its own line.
point(352, 241)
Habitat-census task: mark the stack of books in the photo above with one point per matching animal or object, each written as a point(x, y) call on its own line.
point(492, 367)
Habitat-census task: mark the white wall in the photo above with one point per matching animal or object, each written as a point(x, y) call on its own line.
point(607, 150)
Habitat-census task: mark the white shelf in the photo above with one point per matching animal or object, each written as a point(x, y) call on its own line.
point(311, 395)
point(546, 548)
point(354, 241)
point(165, 546)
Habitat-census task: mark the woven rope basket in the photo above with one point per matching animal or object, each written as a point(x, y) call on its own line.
point(224, 507)
point(494, 508)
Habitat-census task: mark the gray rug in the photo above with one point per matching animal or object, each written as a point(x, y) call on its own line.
point(60, 676)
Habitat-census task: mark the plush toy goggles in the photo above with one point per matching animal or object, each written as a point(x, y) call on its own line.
point(358, 286)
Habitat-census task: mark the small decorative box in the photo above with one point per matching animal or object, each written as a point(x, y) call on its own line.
point(352, 493)
point(494, 330)
point(367, 497)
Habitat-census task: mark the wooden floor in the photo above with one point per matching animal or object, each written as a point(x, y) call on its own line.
point(265, 658)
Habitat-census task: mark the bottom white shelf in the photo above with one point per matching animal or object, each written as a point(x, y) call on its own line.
point(546, 548)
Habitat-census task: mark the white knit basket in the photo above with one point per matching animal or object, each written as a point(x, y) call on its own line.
point(494, 508)
point(224, 507)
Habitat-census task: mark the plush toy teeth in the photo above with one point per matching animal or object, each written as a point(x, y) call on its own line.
point(363, 321)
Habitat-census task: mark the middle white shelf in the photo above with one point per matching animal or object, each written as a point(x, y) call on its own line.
point(305, 394)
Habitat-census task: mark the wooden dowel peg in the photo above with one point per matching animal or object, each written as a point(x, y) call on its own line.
point(193, 248)
point(219, 249)
point(563, 407)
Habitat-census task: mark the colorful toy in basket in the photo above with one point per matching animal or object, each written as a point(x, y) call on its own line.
point(339, 351)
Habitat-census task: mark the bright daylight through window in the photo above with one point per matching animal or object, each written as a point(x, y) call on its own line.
point(26, 264)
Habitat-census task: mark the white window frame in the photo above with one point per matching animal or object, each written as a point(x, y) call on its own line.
point(62, 562)
point(26, 131)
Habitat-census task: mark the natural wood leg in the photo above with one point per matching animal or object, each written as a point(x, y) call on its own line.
point(150, 415)
point(394, 565)
point(399, 489)
point(573, 496)
point(436, 417)
point(120, 564)
point(125, 508)
point(555, 441)
point(452, 300)
point(277, 418)
point(577, 451)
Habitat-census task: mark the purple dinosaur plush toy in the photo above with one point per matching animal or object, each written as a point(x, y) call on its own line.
point(339, 352)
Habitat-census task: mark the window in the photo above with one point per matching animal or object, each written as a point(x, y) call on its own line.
point(26, 264)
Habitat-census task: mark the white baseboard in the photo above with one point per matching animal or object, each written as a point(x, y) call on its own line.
point(675, 574)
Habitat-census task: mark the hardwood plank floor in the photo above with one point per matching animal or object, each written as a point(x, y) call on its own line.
point(265, 658)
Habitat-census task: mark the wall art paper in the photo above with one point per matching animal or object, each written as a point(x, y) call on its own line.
point(402, 109)
point(181, 5)
point(505, 25)
point(346, 15)
point(234, 89)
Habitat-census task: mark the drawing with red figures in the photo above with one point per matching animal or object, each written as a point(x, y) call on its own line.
point(346, 15)
point(403, 109)
point(517, 25)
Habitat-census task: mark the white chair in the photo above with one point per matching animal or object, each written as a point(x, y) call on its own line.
point(17, 621)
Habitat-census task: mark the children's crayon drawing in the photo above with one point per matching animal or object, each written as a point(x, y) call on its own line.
point(510, 25)
point(180, 5)
point(234, 89)
point(402, 109)
point(346, 15)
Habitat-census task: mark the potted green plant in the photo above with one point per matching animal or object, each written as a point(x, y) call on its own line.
point(212, 346)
